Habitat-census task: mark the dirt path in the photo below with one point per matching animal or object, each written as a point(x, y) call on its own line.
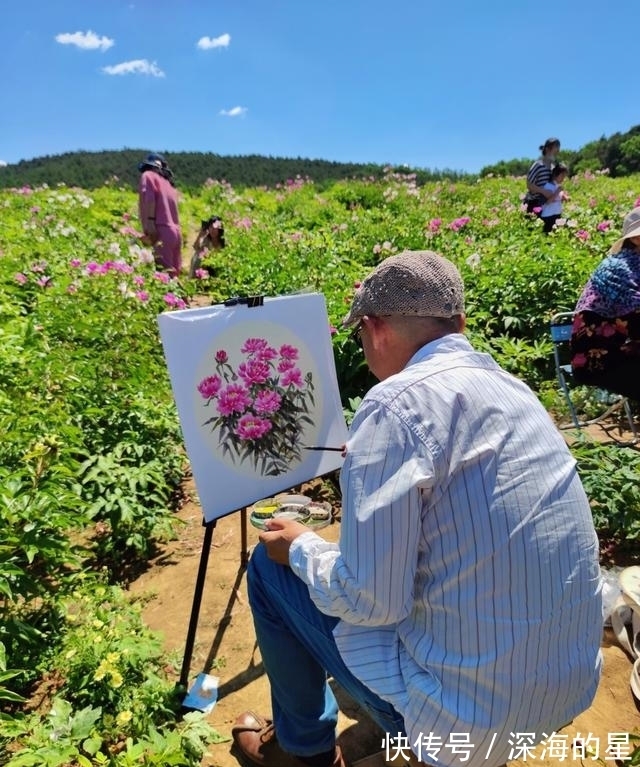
point(225, 643)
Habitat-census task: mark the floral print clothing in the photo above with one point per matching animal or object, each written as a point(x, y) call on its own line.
point(605, 352)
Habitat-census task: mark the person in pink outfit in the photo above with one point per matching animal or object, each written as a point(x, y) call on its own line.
point(158, 210)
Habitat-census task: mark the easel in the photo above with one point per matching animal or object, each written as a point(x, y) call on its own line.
point(251, 302)
point(182, 362)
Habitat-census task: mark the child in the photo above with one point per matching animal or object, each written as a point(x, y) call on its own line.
point(552, 209)
point(210, 237)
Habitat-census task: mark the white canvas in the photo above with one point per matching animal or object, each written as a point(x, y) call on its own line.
point(253, 387)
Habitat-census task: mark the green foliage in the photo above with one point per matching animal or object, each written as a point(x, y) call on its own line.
point(130, 494)
point(115, 706)
point(91, 454)
point(68, 737)
point(610, 478)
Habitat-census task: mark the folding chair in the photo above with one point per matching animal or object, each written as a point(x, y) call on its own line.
point(560, 326)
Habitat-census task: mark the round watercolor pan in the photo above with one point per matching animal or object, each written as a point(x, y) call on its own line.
point(292, 511)
point(319, 514)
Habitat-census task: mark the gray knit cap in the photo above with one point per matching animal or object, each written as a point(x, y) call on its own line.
point(417, 283)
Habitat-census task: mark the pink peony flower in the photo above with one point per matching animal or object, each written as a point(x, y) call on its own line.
point(234, 399)
point(138, 280)
point(170, 299)
point(288, 352)
point(202, 274)
point(434, 225)
point(333, 330)
point(582, 234)
point(266, 354)
point(162, 277)
point(253, 345)
point(254, 371)
point(21, 278)
point(458, 223)
point(267, 402)
point(604, 226)
point(285, 365)
point(537, 209)
point(252, 427)
point(73, 288)
point(130, 231)
point(292, 377)
point(210, 386)
point(221, 356)
point(142, 295)
point(75, 263)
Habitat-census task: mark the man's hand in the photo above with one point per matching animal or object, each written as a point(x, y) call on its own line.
point(279, 536)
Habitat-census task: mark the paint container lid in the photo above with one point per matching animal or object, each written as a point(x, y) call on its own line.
point(286, 498)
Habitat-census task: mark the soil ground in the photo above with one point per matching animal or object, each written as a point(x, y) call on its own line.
point(225, 641)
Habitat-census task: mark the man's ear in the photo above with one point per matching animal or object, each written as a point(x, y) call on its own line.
point(379, 331)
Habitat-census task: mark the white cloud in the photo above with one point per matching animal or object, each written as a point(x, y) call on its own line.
point(234, 112)
point(205, 42)
point(135, 67)
point(86, 40)
point(3, 163)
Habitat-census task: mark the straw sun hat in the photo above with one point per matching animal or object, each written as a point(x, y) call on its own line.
point(630, 228)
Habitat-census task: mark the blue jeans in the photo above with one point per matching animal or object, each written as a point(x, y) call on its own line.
point(298, 652)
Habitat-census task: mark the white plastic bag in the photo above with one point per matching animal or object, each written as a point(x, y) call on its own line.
point(611, 596)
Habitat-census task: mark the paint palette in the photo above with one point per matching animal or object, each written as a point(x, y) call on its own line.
point(314, 514)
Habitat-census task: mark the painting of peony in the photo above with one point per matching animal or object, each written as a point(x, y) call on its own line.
point(262, 409)
point(254, 386)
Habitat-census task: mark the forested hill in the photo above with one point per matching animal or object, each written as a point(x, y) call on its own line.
point(191, 169)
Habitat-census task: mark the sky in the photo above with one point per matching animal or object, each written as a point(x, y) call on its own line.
point(456, 84)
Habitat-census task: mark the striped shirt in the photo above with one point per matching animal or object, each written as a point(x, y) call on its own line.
point(466, 577)
point(539, 173)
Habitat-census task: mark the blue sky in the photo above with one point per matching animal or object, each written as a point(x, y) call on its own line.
point(454, 83)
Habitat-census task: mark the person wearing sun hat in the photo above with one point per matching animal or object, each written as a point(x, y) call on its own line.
point(158, 211)
point(464, 593)
point(605, 338)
